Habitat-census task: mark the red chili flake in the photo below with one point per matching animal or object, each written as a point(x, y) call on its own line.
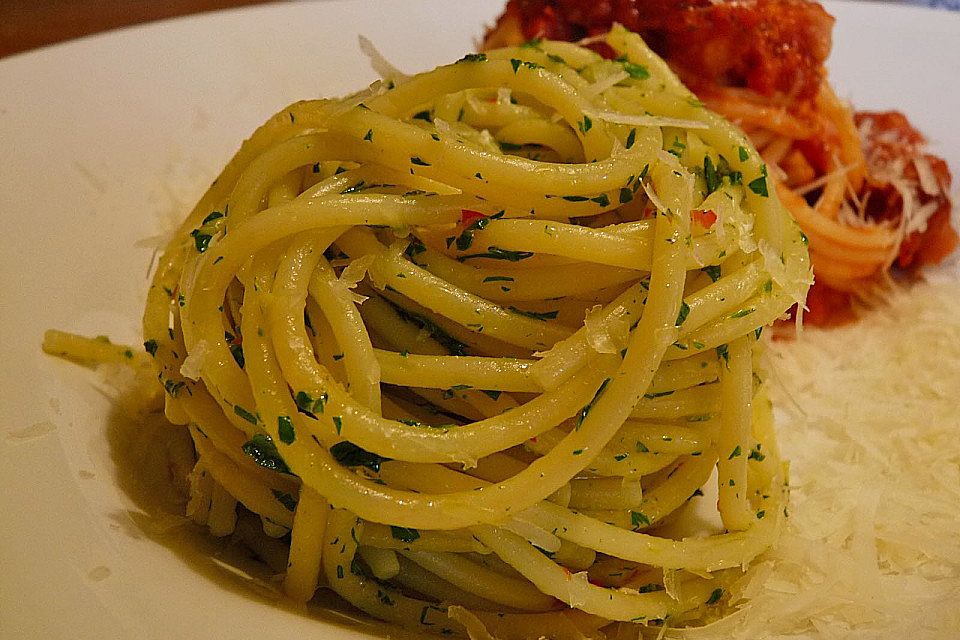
point(468, 217)
point(704, 218)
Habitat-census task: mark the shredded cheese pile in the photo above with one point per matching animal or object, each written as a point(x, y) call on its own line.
point(869, 416)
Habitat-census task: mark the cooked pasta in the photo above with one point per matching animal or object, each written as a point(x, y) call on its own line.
point(470, 340)
point(862, 185)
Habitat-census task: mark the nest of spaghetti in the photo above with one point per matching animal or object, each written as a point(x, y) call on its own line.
point(471, 341)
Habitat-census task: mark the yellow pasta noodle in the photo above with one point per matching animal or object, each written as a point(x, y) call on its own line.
point(475, 337)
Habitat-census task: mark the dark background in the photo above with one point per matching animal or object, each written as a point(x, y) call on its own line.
point(29, 24)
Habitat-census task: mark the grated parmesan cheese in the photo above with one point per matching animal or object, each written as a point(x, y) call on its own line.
point(869, 416)
point(384, 68)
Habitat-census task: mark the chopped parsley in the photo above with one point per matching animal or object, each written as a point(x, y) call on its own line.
point(638, 519)
point(264, 452)
point(759, 186)
point(496, 253)
point(285, 430)
point(350, 455)
point(404, 534)
point(309, 405)
point(473, 57)
point(713, 271)
point(285, 499)
point(536, 315)
point(585, 411)
point(723, 353)
point(684, 312)
point(636, 71)
point(585, 125)
point(246, 415)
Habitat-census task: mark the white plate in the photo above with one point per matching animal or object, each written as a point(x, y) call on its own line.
point(102, 142)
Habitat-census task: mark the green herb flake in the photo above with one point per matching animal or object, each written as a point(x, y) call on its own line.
point(200, 240)
point(246, 415)
point(498, 279)
point(384, 598)
point(737, 452)
point(404, 534)
point(631, 138)
point(759, 186)
point(496, 253)
point(658, 394)
point(710, 174)
point(473, 57)
point(236, 351)
point(285, 499)
point(515, 64)
point(338, 424)
point(285, 430)
point(723, 352)
point(451, 344)
point(213, 215)
point(350, 455)
point(638, 519)
point(452, 391)
point(465, 240)
point(173, 387)
point(309, 405)
point(682, 315)
point(151, 347)
point(585, 411)
point(717, 593)
point(264, 452)
point(415, 248)
point(713, 271)
point(743, 154)
point(585, 125)
point(603, 200)
point(419, 162)
point(536, 315)
point(636, 71)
